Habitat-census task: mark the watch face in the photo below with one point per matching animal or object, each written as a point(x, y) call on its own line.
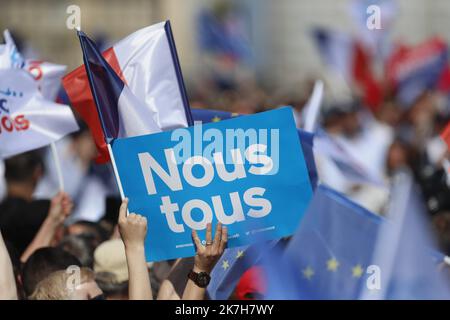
point(203, 279)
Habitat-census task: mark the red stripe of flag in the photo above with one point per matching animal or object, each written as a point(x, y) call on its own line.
point(445, 135)
point(364, 78)
point(76, 85)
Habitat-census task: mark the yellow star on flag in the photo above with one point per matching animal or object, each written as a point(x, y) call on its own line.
point(225, 264)
point(357, 271)
point(332, 264)
point(308, 273)
point(239, 254)
point(216, 119)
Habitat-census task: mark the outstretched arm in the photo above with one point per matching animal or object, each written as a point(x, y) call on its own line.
point(205, 258)
point(133, 229)
point(60, 208)
point(8, 289)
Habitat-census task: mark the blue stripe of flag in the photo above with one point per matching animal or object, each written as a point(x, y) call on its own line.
point(106, 86)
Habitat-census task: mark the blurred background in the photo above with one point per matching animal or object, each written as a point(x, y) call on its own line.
point(275, 36)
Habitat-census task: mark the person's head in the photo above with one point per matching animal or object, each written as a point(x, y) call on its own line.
point(93, 230)
point(342, 117)
point(399, 155)
point(441, 224)
point(63, 285)
point(24, 171)
point(351, 125)
point(81, 247)
point(423, 110)
point(83, 144)
point(112, 289)
point(389, 113)
point(42, 263)
point(110, 266)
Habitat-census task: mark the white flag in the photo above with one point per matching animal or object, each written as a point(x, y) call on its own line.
point(27, 120)
point(10, 57)
point(47, 75)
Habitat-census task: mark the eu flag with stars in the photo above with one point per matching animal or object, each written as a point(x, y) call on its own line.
point(232, 265)
point(343, 251)
point(405, 252)
point(331, 249)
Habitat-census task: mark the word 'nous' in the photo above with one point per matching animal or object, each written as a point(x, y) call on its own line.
point(260, 164)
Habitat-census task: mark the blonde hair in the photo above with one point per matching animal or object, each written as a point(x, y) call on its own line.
point(55, 286)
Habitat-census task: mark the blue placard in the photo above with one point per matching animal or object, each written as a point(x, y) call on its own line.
point(248, 172)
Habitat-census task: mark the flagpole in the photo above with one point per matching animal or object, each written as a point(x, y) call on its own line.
point(116, 172)
point(57, 166)
point(313, 107)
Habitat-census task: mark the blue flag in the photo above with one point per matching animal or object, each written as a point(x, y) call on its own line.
point(343, 251)
point(405, 251)
point(331, 249)
point(231, 266)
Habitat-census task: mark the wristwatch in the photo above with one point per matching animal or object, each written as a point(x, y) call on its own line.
point(201, 279)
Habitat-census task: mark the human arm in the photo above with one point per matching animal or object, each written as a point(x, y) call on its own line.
point(60, 208)
point(206, 257)
point(133, 229)
point(8, 290)
point(167, 289)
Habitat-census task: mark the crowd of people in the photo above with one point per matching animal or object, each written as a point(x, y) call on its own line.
point(42, 259)
point(47, 253)
point(81, 243)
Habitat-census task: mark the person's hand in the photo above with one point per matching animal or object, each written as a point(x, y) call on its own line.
point(208, 255)
point(60, 208)
point(132, 228)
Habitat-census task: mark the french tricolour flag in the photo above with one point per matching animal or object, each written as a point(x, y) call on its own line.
point(415, 69)
point(141, 70)
point(121, 113)
point(347, 57)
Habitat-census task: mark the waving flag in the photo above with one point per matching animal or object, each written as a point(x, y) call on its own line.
point(147, 62)
point(121, 113)
point(224, 35)
point(27, 120)
point(10, 57)
point(328, 256)
point(47, 75)
point(377, 41)
point(413, 70)
point(343, 251)
point(311, 110)
point(350, 167)
point(232, 265)
point(404, 248)
point(348, 58)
